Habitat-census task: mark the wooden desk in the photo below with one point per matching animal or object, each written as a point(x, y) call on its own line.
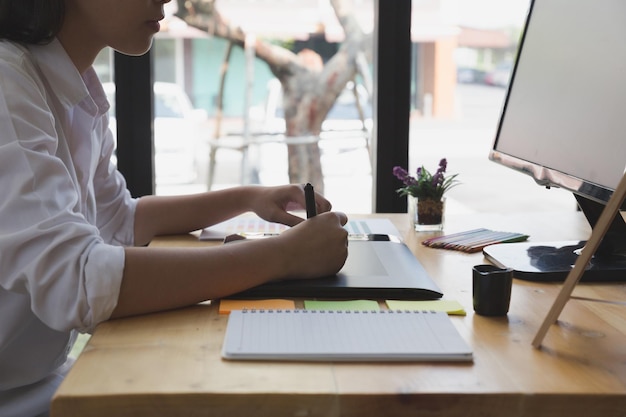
point(169, 364)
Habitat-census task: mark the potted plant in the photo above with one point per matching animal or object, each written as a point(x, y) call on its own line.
point(428, 194)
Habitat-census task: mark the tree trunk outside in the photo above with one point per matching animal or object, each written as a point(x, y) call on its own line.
point(310, 88)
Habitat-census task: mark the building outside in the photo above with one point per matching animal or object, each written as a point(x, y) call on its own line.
point(192, 58)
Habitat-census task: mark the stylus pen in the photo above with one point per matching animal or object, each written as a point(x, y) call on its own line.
point(309, 195)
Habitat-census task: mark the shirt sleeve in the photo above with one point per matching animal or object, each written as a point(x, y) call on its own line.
point(48, 249)
point(115, 207)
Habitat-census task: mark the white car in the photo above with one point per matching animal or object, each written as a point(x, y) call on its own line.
point(179, 129)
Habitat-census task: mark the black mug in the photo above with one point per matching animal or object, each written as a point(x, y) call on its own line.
point(491, 289)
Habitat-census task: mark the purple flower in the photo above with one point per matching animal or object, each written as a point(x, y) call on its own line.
point(437, 179)
point(400, 173)
point(443, 164)
point(403, 175)
point(425, 184)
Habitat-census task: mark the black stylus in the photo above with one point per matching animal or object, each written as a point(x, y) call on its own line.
point(309, 195)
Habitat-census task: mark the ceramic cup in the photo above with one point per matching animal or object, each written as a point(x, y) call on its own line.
point(491, 289)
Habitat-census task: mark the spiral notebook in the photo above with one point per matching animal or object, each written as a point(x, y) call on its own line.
point(327, 335)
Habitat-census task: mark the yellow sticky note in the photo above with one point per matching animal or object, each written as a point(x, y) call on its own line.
point(273, 304)
point(449, 306)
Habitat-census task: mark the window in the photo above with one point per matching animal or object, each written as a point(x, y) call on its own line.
point(185, 61)
point(459, 78)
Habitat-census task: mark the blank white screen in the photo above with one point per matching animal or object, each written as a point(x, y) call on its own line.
point(566, 109)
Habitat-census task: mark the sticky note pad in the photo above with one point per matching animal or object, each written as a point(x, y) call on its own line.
point(227, 305)
point(353, 305)
point(449, 306)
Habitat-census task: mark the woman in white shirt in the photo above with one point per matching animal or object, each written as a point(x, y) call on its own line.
point(71, 238)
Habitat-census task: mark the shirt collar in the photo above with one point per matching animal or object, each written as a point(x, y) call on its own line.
point(64, 79)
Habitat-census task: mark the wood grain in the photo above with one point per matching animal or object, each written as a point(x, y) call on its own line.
point(169, 364)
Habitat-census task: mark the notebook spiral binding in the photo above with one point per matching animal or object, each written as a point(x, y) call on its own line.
point(303, 311)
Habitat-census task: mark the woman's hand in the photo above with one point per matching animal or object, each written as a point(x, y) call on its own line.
point(313, 248)
point(274, 203)
point(316, 247)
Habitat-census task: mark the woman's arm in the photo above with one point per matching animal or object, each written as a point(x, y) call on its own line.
point(162, 215)
point(164, 278)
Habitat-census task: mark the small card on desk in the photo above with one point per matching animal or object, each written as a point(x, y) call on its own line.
point(255, 227)
point(320, 335)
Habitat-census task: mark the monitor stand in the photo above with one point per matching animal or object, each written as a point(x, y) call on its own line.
point(552, 261)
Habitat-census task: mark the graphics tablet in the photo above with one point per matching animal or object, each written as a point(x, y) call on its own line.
point(374, 269)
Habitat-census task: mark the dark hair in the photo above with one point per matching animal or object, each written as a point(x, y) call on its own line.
point(31, 21)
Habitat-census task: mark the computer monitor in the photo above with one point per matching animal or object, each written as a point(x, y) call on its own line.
point(563, 123)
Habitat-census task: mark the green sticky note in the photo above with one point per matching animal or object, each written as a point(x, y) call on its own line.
point(360, 305)
point(449, 306)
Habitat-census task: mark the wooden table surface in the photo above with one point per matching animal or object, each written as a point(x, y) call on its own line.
point(169, 364)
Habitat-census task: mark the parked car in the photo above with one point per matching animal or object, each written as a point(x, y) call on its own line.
point(465, 75)
point(500, 75)
point(178, 131)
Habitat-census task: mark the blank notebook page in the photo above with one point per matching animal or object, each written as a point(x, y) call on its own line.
point(318, 335)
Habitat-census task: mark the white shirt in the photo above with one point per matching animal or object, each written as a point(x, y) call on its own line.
point(65, 215)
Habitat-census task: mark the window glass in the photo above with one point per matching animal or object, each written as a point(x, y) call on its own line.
point(104, 65)
point(202, 120)
point(463, 51)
